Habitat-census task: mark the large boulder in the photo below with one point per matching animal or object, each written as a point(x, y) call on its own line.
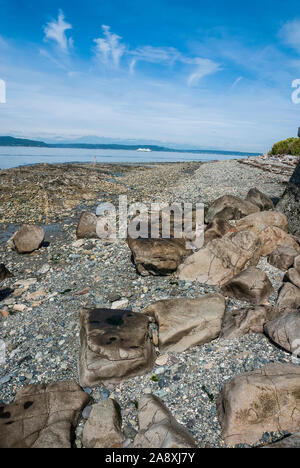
point(230, 207)
point(221, 259)
point(283, 257)
point(266, 400)
point(289, 298)
point(184, 323)
point(4, 272)
point(251, 285)
point(256, 197)
point(158, 256)
point(27, 239)
point(285, 331)
point(290, 202)
point(103, 428)
point(297, 263)
point(217, 229)
point(159, 429)
point(115, 346)
point(42, 416)
point(273, 237)
point(259, 221)
point(237, 323)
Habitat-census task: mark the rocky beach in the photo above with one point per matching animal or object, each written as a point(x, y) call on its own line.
point(190, 372)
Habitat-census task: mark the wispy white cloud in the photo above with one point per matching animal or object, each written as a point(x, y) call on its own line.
point(56, 31)
point(204, 67)
point(236, 82)
point(109, 48)
point(290, 33)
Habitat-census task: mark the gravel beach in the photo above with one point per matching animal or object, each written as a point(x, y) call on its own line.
point(40, 305)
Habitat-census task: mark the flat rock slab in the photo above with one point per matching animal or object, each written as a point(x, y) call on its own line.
point(103, 428)
point(158, 257)
point(184, 323)
point(115, 346)
point(238, 323)
point(42, 416)
point(230, 207)
point(221, 259)
point(285, 331)
point(266, 400)
point(251, 285)
point(159, 429)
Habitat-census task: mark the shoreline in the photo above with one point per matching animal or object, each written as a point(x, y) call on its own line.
point(43, 339)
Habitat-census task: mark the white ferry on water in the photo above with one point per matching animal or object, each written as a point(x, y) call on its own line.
point(144, 150)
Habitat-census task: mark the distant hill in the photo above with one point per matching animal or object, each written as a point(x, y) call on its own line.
point(10, 141)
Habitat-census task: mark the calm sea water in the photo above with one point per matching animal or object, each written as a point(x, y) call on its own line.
point(19, 156)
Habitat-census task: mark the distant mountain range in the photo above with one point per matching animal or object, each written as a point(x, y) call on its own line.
point(11, 141)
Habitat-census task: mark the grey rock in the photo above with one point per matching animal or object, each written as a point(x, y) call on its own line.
point(265, 400)
point(42, 416)
point(242, 322)
point(103, 428)
point(158, 428)
point(256, 197)
point(28, 238)
point(115, 346)
point(283, 257)
point(230, 207)
point(251, 285)
point(185, 323)
point(285, 331)
point(289, 298)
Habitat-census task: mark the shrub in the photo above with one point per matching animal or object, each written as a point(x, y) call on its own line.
point(289, 146)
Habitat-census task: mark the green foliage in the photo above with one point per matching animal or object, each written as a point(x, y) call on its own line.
point(289, 146)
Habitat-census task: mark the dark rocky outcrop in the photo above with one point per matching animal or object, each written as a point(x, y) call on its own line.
point(290, 202)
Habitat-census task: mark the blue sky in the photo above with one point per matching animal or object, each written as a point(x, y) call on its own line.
point(188, 73)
